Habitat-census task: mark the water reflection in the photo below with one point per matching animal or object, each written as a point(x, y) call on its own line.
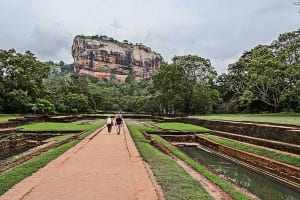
point(263, 187)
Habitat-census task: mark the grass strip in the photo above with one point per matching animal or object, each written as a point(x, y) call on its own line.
point(48, 126)
point(217, 180)
point(6, 117)
point(277, 118)
point(13, 176)
point(181, 127)
point(289, 159)
point(175, 182)
point(63, 137)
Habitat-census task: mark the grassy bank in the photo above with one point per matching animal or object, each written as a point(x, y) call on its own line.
point(6, 117)
point(181, 127)
point(289, 159)
point(175, 182)
point(47, 126)
point(278, 118)
point(63, 137)
point(220, 182)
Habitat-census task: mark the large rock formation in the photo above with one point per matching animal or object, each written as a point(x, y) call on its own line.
point(100, 56)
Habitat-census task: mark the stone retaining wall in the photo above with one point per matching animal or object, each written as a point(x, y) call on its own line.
point(292, 148)
point(271, 132)
point(8, 130)
point(179, 138)
point(11, 144)
point(23, 120)
point(66, 119)
point(283, 170)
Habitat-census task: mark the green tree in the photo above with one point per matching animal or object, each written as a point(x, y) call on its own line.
point(42, 106)
point(20, 72)
point(267, 77)
point(18, 101)
point(287, 48)
point(177, 85)
point(76, 102)
point(266, 80)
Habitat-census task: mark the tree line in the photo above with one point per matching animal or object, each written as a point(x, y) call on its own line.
point(264, 79)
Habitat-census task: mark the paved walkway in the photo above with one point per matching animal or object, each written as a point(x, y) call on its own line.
point(100, 167)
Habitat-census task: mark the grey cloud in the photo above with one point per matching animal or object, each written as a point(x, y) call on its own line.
point(215, 29)
point(49, 41)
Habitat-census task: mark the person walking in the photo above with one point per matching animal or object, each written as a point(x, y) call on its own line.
point(109, 123)
point(118, 124)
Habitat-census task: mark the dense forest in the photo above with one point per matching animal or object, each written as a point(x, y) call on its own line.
point(264, 79)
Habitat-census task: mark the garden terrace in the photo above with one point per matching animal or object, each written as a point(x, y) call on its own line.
point(27, 141)
point(284, 119)
point(21, 147)
point(266, 131)
point(13, 122)
point(66, 119)
point(277, 165)
point(282, 146)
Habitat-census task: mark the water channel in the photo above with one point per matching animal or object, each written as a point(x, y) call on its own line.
point(7, 154)
point(262, 186)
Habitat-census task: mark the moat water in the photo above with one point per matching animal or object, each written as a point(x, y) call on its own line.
point(263, 187)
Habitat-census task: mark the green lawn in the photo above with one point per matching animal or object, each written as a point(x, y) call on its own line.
point(278, 118)
point(63, 137)
point(47, 126)
point(292, 160)
point(181, 127)
point(6, 117)
point(175, 182)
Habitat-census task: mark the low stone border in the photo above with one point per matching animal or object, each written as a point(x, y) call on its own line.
point(265, 131)
point(282, 146)
point(39, 152)
point(285, 173)
point(281, 169)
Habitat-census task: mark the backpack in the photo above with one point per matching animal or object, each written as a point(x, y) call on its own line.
point(108, 121)
point(119, 121)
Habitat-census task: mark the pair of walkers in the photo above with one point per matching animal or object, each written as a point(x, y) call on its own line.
point(110, 123)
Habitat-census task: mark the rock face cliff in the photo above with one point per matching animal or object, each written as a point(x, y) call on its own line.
point(100, 56)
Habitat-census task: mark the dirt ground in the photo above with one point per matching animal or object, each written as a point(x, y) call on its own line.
point(103, 166)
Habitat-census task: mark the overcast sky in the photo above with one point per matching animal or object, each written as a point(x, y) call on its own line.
point(220, 30)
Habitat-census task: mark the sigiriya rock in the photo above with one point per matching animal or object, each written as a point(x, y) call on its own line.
point(103, 57)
